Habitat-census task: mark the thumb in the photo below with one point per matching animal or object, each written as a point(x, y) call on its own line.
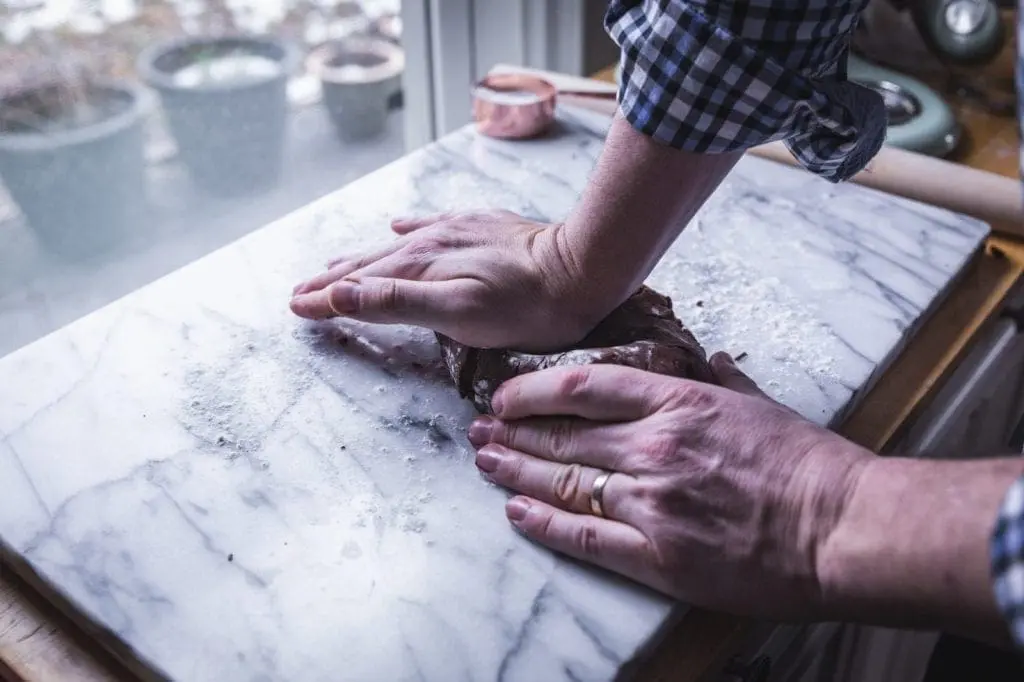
point(731, 377)
point(384, 300)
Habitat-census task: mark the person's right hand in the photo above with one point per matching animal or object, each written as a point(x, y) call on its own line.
point(715, 495)
point(488, 279)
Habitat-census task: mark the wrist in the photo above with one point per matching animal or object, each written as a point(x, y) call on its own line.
point(638, 199)
point(583, 297)
point(852, 547)
point(911, 548)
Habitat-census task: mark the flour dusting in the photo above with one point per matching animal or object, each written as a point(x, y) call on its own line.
point(729, 306)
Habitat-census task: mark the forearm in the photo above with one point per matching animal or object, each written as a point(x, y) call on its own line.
point(912, 547)
point(640, 197)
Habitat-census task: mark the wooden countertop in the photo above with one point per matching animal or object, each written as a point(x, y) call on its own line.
point(38, 644)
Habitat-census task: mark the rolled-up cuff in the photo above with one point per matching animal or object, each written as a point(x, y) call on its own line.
point(691, 84)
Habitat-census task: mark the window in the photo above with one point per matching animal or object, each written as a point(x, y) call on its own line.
point(139, 135)
point(135, 136)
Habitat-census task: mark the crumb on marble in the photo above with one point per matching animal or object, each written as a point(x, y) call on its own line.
point(231, 557)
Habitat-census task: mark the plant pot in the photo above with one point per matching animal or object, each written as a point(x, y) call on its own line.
point(358, 77)
point(389, 27)
point(81, 186)
point(226, 104)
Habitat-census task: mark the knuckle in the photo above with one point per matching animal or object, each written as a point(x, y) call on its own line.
point(648, 492)
point(659, 447)
point(587, 540)
point(422, 248)
point(388, 296)
point(573, 383)
point(561, 439)
point(508, 434)
point(545, 524)
point(447, 234)
point(567, 485)
point(511, 471)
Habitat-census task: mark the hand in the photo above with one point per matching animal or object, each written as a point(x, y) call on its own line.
point(719, 496)
point(489, 279)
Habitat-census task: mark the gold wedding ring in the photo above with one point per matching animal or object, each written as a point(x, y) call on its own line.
point(597, 494)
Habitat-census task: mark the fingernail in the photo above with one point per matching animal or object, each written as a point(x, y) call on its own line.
point(480, 432)
point(487, 461)
point(297, 288)
point(517, 508)
point(344, 297)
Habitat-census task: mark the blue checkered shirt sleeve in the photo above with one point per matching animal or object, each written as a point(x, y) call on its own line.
point(1007, 551)
point(721, 75)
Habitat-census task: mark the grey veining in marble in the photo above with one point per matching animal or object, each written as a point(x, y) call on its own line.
point(241, 495)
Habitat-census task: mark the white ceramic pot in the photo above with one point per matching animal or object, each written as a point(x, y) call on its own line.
point(358, 76)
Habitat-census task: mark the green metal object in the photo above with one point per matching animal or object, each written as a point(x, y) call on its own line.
point(919, 120)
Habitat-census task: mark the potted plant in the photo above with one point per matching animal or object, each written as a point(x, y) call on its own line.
point(358, 77)
point(226, 104)
point(72, 152)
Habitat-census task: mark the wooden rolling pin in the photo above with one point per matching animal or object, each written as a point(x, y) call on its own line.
point(996, 199)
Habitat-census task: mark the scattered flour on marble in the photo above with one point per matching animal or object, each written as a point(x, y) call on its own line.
point(238, 392)
point(234, 399)
point(729, 306)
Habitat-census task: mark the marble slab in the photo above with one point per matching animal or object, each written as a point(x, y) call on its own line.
point(235, 494)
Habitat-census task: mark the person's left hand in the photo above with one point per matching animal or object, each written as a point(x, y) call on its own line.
point(490, 279)
point(717, 495)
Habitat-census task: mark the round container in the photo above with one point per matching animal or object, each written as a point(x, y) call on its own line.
point(81, 189)
point(513, 106)
point(226, 104)
point(358, 77)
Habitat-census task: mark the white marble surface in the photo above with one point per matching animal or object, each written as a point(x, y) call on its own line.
point(238, 495)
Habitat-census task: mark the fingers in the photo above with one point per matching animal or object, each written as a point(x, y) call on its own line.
point(340, 268)
point(559, 440)
point(407, 225)
point(387, 301)
point(598, 392)
point(609, 544)
point(567, 486)
point(730, 376)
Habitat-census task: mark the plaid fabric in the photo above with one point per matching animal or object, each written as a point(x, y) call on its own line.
point(1007, 550)
point(720, 75)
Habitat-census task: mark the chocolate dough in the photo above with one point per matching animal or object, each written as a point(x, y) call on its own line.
point(643, 333)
